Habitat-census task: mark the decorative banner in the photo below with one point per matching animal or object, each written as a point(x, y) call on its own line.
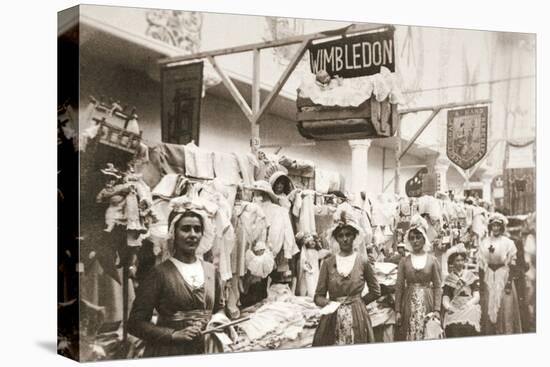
point(354, 56)
point(413, 187)
point(467, 135)
point(181, 96)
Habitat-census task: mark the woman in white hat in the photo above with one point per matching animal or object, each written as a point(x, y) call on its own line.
point(497, 259)
point(418, 288)
point(343, 277)
point(184, 290)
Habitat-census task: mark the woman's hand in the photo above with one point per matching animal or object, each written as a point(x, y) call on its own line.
point(186, 335)
point(398, 318)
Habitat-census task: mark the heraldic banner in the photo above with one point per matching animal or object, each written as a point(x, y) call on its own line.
point(467, 135)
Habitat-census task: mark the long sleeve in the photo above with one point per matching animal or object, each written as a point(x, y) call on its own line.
point(436, 281)
point(219, 301)
point(322, 286)
point(139, 321)
point(400, 284)
point(372, 283)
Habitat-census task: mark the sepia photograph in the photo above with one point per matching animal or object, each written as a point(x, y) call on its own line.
point(235, 183)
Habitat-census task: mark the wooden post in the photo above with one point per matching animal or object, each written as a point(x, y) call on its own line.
point(232, 89)
point(125, 277)
point(418, 132)
point(398, 157)
point(256, 98)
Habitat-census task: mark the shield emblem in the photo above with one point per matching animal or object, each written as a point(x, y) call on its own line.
point(467, 135)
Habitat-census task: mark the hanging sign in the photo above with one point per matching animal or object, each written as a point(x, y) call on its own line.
point(181, 96)
point(354, 56)
point(467, 135)
point(413, 187)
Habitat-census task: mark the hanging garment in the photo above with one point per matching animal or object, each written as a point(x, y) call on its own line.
point(226, 168)
point(324, 221)
point(304, 211)
point(247, 166)
point(250, 226)
point(259, 265)
point(224, 239)
point(198, 162)
point(168, 158)
point(479, 222)
point(280, 234)
point(167, 186)
point(326, 181)
point(379, 212)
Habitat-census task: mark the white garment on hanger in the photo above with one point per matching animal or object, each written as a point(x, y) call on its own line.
point(199, 163)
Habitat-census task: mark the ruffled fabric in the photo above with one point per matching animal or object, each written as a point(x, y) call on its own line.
point(352, 92)
point(259, 265)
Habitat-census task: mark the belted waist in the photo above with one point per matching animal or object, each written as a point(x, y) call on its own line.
point(420, 285)
point(346, 300)
point(495, 267)
point(182, 319)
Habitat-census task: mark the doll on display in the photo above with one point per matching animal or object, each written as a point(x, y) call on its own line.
point(309, 263)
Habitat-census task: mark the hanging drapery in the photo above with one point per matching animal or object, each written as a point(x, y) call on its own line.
point(520, 178)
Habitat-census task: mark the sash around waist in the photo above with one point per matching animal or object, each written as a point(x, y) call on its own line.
point(346, 300)
point(420, 285)
point(182, 319)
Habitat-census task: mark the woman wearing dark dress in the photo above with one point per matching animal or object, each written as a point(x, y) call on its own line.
point(418, 287)
point(343, 276)
point(183, 290)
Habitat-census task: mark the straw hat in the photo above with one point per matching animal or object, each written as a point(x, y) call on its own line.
point(265, 187)
point(498, 218)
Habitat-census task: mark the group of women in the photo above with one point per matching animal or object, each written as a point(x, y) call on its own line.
point(186, 291)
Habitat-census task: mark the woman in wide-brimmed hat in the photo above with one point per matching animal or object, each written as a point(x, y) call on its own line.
point(461, 296)
point(184, 290)
point(497, 259)
point(282, 186)
point(343, 276)
point(418, 287)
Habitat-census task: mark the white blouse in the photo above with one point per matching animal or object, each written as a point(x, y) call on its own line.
point(344, 264)
point(192, 273)
point(419, 261)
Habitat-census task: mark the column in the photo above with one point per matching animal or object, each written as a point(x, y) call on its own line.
point(359, 166)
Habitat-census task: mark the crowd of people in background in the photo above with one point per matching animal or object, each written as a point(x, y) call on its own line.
point(452, 280)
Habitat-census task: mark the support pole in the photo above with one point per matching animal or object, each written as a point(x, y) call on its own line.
point(232, 89)
point(418, 133)
point(397, 177)
point(125, 277)
point(282, 80)
point(256, 101)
